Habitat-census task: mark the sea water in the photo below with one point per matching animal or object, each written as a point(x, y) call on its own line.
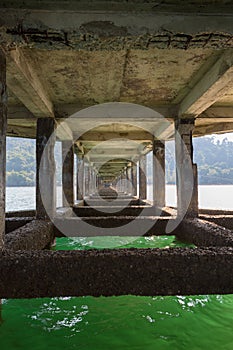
point(210, 196)
point(125, 322)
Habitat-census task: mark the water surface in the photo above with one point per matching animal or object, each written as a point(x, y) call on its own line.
point(125, 322)
point(210, 197)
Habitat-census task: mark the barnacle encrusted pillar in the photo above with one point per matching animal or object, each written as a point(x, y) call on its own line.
point(186, 170)
point(45, 169)
point(158, 173)
point(68, 173)
point(142, 178)
point(3, 126)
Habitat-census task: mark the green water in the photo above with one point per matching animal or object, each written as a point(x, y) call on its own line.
point(127, 322)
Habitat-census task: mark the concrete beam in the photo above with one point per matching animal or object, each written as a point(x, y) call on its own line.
point(105, 136)
point(176, 271)
point(97, 29)
point(35, 235)
point(45, 169)
point(3, 127)
point(64, 132)
point(210, 88)
point(218, 112)
point(213, 128)
point(21, 130)
point(24, 82)
point(66, 110)
point(19, 112)
point(114, 224)
point(204, 234)
point(116, 210)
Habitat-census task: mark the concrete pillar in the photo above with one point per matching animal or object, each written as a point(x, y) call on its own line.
point(94, 181)
point(142, 178)
point(67, 173)
point(91, 178)
point(87, 179)
point(80, 178)
point(3, 126)
point(158, 174)
point(128, 180)
point(45, 169)
point(134, 179)
point(186, 171)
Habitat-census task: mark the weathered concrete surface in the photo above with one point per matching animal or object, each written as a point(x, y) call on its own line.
point(35, 235)
point(149, 272)
point(204, 234)
point(142, 178)
point(115, 202)
point(134, 179)
point(111, 226)
point(68, 173)
point(45, 168)
point(3, 126)
point(80, 178)
point(117, 211)
point(158, 173)
point(14, 223)
point(186, 171)
point(180, 27)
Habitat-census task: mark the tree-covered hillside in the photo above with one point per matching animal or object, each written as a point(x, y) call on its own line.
point(21, 162)
point(214, 159)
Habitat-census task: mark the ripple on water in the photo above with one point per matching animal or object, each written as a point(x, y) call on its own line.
point(126, 322)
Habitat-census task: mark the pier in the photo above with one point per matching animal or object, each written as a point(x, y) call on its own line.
point(113, 81)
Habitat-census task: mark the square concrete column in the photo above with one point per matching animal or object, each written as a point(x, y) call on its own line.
point(3, 127)
point(186, 171)
point(67, 173)
point(142, 178)
point(158, 173)
point(90, 180)
point(87, 179)
point(80, 177)
point(134, 179)
point(45, 169)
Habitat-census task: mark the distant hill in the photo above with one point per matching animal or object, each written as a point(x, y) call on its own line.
point(21, 162)
point(214, 159)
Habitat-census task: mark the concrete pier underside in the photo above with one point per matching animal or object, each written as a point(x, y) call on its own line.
point(135, 74)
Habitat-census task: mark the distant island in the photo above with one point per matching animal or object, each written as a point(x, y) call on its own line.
point(214, 159)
